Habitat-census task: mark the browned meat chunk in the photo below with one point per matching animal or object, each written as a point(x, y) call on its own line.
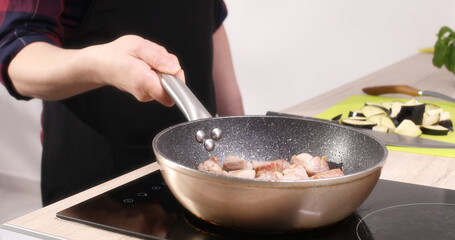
point(211, 165)
point(303, 166)
point(313, 165)
point(242, 173)
point(268, 175)
point(232, 163)
point(328, 174)
point(257, 164)
point(294, 172)
point(301, 158)
point(219, 172)
point(273, 166)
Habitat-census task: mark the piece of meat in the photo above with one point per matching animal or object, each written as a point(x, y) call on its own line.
point(313, 165)
point(232, 163)
point(274, 166)
point(219, 172)
point(242, 173)
point(303, 166)
point(257, 164)
point(301, 158)
point(328, 174)
point(294, 172)
point(210, 165)
point(268, 175)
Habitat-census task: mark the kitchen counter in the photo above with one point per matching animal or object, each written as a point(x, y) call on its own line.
point(419, 72)
point(427, 170)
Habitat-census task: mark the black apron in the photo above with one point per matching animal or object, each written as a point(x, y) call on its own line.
point(103, 133)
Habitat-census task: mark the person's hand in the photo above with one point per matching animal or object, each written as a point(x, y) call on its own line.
point(131, 63)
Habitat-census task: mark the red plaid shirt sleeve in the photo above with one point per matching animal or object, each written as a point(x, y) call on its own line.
point(24, 22)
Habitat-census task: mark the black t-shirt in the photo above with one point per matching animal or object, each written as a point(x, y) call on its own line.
point(100, 134)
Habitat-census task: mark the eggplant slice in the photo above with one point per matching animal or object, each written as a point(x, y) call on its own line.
point(408, 128)
point(358, 123)
point(434, 130)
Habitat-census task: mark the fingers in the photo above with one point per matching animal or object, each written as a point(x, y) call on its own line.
point(158, 58)
point(136, 62)
point(181, 75)
point(155, 90)
point(148, 87)
point(158, 92)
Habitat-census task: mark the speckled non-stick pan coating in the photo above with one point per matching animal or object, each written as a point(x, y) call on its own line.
point(267, 138)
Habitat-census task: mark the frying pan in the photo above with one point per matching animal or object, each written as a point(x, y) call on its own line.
point(264, 205)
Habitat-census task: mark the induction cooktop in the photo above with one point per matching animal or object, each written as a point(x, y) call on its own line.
point(145, 208)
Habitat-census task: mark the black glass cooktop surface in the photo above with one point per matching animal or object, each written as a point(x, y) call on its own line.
point(146, 209)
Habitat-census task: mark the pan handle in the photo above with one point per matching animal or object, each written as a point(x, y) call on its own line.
point(188, 104)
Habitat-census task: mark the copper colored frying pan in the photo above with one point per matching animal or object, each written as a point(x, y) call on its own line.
point(264, 205)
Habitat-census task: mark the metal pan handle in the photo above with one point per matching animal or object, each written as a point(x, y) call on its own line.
point(184, 98)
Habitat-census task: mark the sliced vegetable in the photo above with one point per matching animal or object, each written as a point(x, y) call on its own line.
point(429, 107)
point(388, 122)
point(387, 105)
point(395, 109)
point(408, 128)
point(337, 117)
point(356, 113)
point(395, 116)
point(382, 120)
point(445, 121)
point(412, 101)
point(358, 123)
point(430, 118)
point(386, 109)
point(412, 111)
point(380, 128)
point(434, 130)
point(395, 121)
point(372, 110)
point(375, 118)
point(358, 118)
point(444, 116)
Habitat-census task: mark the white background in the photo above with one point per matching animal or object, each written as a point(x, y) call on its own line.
point(284, 52)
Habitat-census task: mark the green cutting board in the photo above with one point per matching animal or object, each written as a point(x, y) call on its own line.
point(357, 101)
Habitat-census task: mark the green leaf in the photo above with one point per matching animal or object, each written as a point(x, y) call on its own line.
point(444, 49)
point(440, 52)
point(443, 31)
point(451, 59)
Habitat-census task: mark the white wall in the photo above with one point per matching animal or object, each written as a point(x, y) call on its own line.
point(20, 145)
point(288, 51)
point(284, 52)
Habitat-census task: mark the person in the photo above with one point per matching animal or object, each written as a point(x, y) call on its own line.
point(95, 65)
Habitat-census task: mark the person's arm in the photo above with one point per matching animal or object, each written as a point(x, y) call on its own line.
point(32, 65)
point(48, 72)
point(228, 97)
point(27, 21)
